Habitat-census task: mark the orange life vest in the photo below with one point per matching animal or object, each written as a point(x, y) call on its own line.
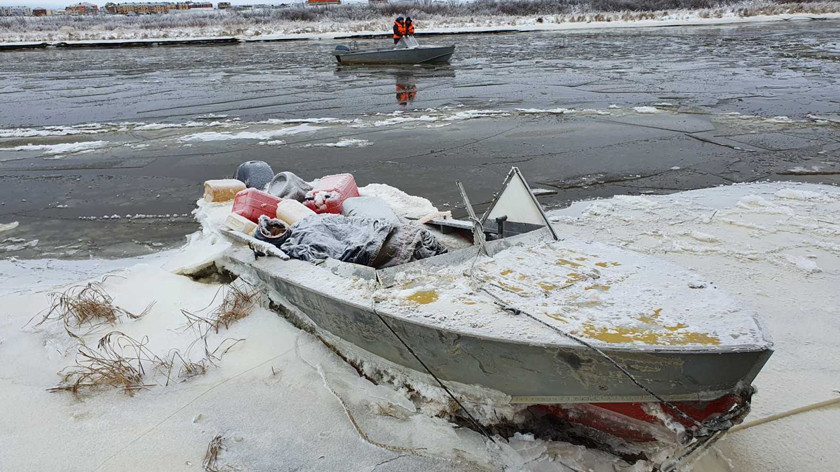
point(410, 28)
point(399, 30)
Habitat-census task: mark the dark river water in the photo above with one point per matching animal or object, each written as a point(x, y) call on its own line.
point(87, 133)
point(773, 69)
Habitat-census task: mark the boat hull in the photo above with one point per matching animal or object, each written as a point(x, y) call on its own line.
point(420, 55)
point(530, 374)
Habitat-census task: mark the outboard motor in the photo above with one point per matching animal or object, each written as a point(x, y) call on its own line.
point(339, 50)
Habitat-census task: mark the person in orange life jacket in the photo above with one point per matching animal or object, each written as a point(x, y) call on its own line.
point(409, 27)
point(399, 29)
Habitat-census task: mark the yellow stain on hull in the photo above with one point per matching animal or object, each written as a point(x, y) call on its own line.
point(551, 287)
point(652, 319)
point(423, 297)
point(603, 288)
point(558, 317)
point(652, 336)
point(575, 277)
point(607, 264)
point(623, 335)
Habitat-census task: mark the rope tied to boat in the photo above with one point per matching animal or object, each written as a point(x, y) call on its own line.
point(517, 311)
point(472, 419)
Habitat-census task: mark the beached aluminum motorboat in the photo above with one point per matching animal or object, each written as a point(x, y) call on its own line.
point(401, 54)
point(614, 341)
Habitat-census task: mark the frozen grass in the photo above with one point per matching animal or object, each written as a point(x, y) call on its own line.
point(85, 305)
point(212, 454)
point(364, 17)
point(238, 302)
point(120, 361)
point(117, 362)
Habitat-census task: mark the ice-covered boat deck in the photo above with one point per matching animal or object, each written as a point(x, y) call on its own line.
point(603, 294)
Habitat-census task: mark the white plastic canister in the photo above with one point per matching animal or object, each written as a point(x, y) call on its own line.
point(241, 224)
point(291, 211)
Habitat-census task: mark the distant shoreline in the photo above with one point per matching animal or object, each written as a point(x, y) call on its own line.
point(453, 30)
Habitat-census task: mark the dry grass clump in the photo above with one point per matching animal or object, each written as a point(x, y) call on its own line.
point(116, 363)
point(238, 302)
point(86, 305)
point(120, 361)
point(187, 368)
point(212, 454)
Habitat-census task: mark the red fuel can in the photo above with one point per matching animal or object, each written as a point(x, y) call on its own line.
point(328, 195)
point(251, 203)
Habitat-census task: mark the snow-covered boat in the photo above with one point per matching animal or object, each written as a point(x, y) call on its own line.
point(414, 54)
point(608, 340)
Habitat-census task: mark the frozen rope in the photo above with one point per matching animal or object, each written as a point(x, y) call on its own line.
point(785, 414)
point(442, 385)
point(364, 436)
point(701, 446)
point(355, 424)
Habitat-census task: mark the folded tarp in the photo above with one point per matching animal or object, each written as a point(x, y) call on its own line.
point(408, 242)
point(318, 237)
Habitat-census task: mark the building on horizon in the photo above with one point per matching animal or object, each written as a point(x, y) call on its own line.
point(258, 6)
point(40, 12)
point(83, 8)
point(15, 11)
point(224, 5)
point(192, 6)
point(148, 8)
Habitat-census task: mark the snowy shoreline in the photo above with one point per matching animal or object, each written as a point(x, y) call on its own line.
point(772, 245)
point(320, 31)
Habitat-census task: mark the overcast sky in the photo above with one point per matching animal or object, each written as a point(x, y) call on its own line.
point(60, 4)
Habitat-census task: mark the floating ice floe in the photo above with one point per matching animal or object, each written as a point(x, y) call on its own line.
point(646, 110)
point(8, 226)
point(16, 244)
point(64, 148)
point(90, 128)
point(343, 143)
point(537, 111)
point(250, 135)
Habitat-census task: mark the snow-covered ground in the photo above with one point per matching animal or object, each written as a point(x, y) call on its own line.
point(282, 401)
point(113, 31)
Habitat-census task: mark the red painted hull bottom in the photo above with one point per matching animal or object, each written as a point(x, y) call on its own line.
point(635, 423)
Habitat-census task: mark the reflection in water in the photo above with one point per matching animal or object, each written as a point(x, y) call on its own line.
point(406, 86)
point(405, 81)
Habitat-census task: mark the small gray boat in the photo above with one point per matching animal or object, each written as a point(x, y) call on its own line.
point(398, 55)
point(610, 340)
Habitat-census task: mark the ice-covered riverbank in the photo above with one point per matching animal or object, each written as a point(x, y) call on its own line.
point(118, 30)
point(281, 397)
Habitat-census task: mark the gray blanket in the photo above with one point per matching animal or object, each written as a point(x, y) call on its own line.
point(348, 239)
